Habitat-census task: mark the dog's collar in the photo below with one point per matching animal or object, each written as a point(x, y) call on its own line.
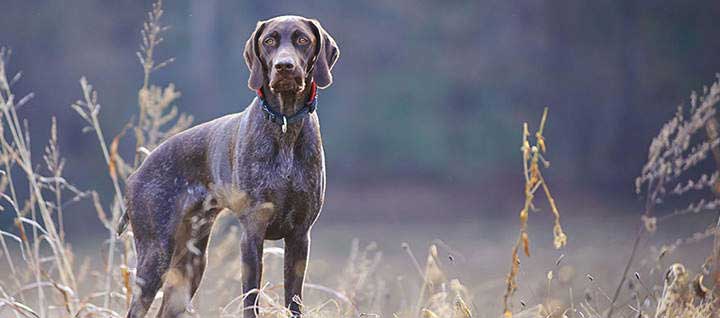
point(282, 119)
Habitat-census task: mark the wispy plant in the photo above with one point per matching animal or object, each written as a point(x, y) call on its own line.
point(532, 156)
point(158, 118)
point(36, 210)
point(674, 154)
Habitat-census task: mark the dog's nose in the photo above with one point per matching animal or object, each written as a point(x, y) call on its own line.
point(284, 65)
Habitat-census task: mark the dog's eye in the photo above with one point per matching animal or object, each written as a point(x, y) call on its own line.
point(269, 41)
point(303, 40)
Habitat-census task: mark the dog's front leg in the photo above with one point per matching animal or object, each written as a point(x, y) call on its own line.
point(251, 247)
point(255, 222)
point(296, 256)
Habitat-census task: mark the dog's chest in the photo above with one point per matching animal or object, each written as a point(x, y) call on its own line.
point(279, 172)
point(292, 179)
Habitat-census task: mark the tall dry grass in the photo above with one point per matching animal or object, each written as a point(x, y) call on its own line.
point(676, 173)
point(45, 266)
point(533, 159)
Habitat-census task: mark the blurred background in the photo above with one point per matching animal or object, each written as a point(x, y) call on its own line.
point(422, 127)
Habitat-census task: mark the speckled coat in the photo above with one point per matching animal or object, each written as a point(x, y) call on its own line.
point(239, 152)
point(242, 162)
point(274, 182)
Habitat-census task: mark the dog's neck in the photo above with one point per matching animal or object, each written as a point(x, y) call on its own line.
point(286, 104)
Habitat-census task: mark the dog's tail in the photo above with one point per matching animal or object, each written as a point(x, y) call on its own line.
point(126, 207)
point(123, 223)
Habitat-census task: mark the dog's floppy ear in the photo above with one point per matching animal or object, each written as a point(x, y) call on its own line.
point(326, 54)
point(252, 58)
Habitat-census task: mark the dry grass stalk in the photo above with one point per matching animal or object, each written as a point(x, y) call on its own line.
point(89, 109)
point(438, 296)
point(532, 158)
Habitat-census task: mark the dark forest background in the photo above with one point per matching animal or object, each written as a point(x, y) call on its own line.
point(425, 114)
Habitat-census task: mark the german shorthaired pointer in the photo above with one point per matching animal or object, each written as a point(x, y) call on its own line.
point(265, 164)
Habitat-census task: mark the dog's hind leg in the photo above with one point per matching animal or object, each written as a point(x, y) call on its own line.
point(153, 262)
point(159, 227)
point(184, 276)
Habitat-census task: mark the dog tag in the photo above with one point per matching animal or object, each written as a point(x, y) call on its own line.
point(284, 125)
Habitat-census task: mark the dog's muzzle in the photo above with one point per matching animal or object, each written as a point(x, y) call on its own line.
point(286, 76)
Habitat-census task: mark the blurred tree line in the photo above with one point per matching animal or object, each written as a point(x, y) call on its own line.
point(431, 91)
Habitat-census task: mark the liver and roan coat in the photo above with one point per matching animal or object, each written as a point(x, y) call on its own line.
point(266, 169)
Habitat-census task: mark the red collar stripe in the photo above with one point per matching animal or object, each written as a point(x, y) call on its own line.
point(313, 92)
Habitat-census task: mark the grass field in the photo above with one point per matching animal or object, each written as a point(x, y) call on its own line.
point(479, 250)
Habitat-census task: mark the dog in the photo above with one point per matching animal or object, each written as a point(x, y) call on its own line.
point(265, 164)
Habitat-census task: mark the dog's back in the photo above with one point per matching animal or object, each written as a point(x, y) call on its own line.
point(176, 168)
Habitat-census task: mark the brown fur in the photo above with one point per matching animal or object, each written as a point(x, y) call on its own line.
point(273, 181)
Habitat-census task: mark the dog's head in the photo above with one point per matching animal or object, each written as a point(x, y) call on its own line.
point(288, 51)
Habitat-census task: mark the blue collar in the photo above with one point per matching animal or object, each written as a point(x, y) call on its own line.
point(282, 119)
